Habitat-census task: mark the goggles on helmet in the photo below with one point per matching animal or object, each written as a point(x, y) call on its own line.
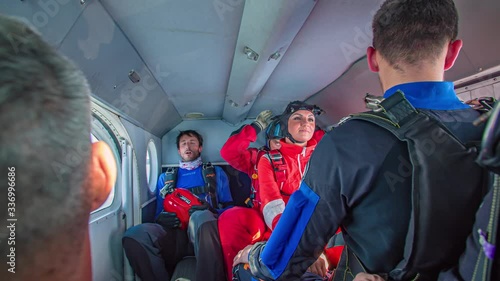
point(299, 105)
point(275, 129)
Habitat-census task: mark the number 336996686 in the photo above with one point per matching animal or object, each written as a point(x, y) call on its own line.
point(11, 178)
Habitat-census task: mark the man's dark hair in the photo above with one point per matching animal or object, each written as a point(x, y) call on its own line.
point(191, 133)
point(409, 31)
point(45, 138)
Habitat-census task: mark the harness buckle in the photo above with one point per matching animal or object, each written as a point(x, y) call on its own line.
point(374, 102)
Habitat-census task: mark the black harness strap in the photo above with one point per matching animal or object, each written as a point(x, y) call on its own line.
point(208, 171)
point(199, 190)
point(431, 242)
point(170, 181)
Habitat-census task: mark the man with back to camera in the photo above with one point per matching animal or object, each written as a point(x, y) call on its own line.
point(153, 249)
point(56, 176)
point(360, 176)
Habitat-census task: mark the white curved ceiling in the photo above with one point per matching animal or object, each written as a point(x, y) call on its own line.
point(190, 53)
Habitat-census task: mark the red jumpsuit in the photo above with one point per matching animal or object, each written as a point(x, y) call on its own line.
point(239, 155)
point(239, 227)
point(274, 196)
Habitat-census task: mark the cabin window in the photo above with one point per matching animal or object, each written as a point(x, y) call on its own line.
point(151, 166)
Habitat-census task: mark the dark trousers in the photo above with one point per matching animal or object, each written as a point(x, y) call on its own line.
point(209, 259)
point(240, 273)
point(153, 251)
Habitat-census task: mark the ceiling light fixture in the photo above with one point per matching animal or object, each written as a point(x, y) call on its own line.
point(194, 115)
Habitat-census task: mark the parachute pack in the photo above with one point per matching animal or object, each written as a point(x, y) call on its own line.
point(433, 191)
point(179, 200)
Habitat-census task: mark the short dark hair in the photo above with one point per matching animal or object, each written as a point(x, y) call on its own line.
point(409, 31)
point(191, 133)
point(45, 138)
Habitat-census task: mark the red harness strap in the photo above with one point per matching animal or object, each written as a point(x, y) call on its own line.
point(279, 166)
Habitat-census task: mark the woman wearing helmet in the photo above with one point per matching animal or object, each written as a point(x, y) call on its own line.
point(239, 227)
point(299, 124)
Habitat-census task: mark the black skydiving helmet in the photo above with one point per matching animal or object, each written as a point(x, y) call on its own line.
point(293, 107)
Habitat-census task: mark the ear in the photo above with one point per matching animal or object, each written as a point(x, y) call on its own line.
point(102, 173)
point(452, 53)
point(371, 55)
point(200, 148)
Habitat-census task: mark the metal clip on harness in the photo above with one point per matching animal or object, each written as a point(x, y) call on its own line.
point(373, 102)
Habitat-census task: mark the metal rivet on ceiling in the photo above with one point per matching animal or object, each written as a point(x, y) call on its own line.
point(251, 54)
point(274, 56)
point(232, 103)
point(82, 2)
